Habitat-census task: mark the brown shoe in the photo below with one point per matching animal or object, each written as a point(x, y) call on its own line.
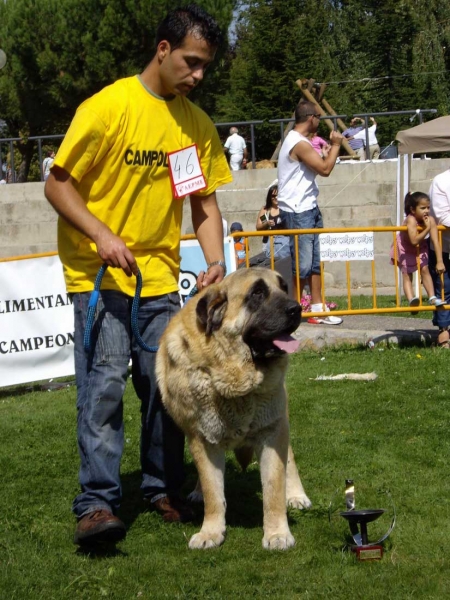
point(97, 527)
point(173, 509)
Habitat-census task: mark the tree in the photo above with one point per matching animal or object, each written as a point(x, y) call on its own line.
point(62, 51)
point(375, 56)
point(278, 42)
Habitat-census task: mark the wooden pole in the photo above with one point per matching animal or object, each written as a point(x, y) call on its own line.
point(340, 122)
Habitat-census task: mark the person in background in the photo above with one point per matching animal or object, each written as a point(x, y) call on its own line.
point(417, 210)
point(374, 148)
point(356, 145)
point(298, 166)
point(120, 209)
point(239, 244)
point(269, 218)
point(440, 209)
point(236, 148)
point(47, 164)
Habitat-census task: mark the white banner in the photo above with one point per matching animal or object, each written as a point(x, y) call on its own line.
point(346, 246)
point(36, 314)
point(36, 321)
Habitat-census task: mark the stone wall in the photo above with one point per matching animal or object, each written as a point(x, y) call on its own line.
point(355, 195)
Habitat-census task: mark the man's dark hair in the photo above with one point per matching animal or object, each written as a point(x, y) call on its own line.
point(188, 20)
point(303, 110)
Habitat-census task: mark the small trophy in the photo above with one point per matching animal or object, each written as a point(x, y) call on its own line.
point(358, 521)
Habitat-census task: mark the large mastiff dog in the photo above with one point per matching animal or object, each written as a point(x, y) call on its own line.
point(221, 366)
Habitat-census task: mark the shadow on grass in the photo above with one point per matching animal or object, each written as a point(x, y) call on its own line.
point(243, 496)
point(242, 490)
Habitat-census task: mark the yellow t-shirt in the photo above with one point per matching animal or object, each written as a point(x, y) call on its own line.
point(116, 150)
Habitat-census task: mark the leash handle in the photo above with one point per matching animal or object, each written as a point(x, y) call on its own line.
point(90, 314)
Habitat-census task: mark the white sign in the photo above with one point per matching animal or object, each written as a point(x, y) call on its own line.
point(36, 313)
point(346, 246)
point(186, 172)
point(36, 321)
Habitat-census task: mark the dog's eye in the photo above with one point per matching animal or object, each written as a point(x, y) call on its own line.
point(260, 289)
point(257, 294)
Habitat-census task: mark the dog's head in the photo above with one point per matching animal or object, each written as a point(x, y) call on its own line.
point(252, 304)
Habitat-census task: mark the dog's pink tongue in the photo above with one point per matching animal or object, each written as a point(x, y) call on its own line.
point(287, 343)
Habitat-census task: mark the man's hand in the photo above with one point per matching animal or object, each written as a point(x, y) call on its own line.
point(114, 252)
point(214, 274)
point(336, 138)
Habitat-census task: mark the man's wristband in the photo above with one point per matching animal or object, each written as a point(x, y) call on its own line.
point(221, 263)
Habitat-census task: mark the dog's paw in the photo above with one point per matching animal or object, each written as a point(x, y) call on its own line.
point(278, 541)
point(299, 502)
point(196, 497)
point(206, 539)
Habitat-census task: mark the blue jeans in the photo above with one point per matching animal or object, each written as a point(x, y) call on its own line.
point(101, 378)
point(280, 247)
point(308, 244)
point(441, 318)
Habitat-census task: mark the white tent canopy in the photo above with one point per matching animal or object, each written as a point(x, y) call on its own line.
point(433, 136)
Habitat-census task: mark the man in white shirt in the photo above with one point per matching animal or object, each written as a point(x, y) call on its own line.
point(237, 149)
point(298, 165)
point(440, 209)
point(374, 148)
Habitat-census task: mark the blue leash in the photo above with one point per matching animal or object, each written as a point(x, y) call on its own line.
point(90, 315)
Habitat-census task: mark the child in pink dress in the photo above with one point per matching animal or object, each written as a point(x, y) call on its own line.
point(321, 146)
point(411, 244)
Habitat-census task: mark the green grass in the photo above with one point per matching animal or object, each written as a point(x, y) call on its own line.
point(390, 433)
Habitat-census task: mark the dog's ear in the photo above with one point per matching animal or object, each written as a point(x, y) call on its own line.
point(211, 309)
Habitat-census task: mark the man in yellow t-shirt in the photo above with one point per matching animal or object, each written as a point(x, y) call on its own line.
point(132, 152)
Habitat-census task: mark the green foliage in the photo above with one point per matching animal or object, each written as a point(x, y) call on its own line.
point(389, 433)
point(388, 55)
point(62, 51)
point(371, 47)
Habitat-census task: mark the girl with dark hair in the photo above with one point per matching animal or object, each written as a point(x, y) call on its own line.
point(412, 247)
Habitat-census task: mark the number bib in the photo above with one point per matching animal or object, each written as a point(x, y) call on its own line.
point(186, 172)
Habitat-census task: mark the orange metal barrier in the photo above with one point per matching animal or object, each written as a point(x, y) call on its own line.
point(348, 311)
point(296, 232)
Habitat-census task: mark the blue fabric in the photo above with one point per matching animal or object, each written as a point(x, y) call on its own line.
point(308, 244)
point(101, 378)
point(441, 318)
point(354, 144)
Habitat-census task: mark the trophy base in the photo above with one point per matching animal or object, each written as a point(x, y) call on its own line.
point(368, 552)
